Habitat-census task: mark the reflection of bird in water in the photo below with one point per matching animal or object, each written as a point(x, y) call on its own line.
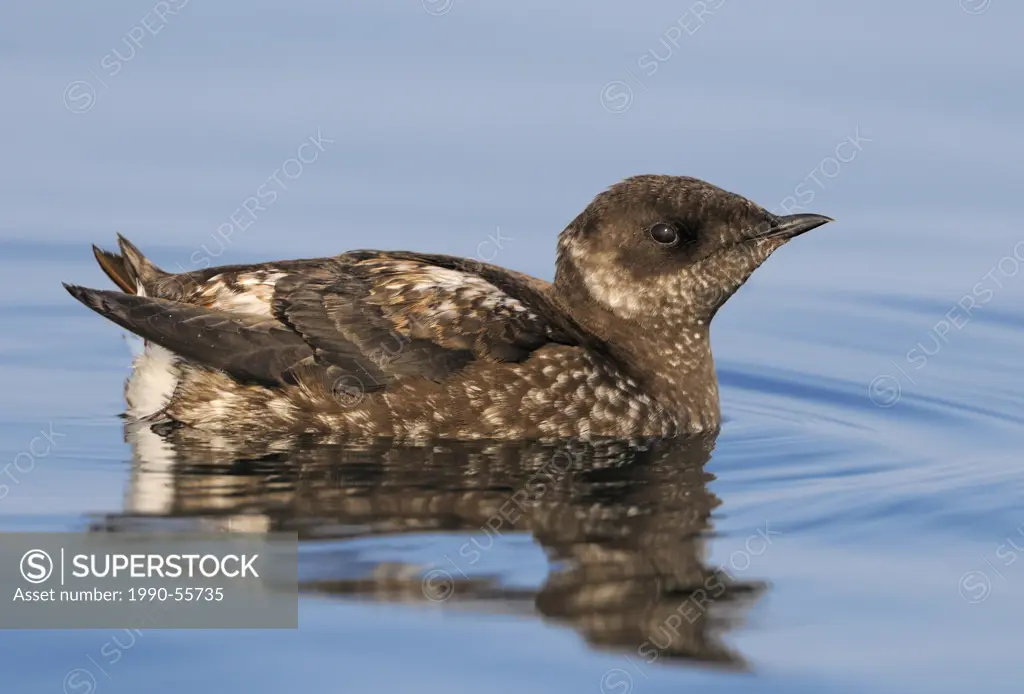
point(623, 525)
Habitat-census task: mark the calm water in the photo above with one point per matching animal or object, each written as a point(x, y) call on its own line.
point(855, 524)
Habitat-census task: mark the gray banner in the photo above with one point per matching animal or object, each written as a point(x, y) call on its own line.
point(148, 581)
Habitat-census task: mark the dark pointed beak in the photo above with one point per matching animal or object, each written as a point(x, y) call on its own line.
point(795, 224)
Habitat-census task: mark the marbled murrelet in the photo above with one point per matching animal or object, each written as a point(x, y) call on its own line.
point(411, 345)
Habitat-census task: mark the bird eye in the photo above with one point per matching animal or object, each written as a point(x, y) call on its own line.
point(664, 234)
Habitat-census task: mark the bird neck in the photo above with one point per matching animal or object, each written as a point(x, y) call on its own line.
point(667, 351)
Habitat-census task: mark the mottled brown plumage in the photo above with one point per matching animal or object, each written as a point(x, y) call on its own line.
point(375, 343)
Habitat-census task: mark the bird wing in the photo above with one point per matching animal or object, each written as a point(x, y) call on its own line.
point(368, 315)
point(406, 314)
point(252, 348)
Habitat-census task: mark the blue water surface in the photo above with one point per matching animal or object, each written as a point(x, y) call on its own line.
point(871, 371)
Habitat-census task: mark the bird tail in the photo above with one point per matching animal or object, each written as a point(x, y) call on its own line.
point(131, 271)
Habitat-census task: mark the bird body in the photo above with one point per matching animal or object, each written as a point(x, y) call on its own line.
point(414, 345)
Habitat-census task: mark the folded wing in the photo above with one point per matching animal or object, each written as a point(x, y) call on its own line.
point(374, 316)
